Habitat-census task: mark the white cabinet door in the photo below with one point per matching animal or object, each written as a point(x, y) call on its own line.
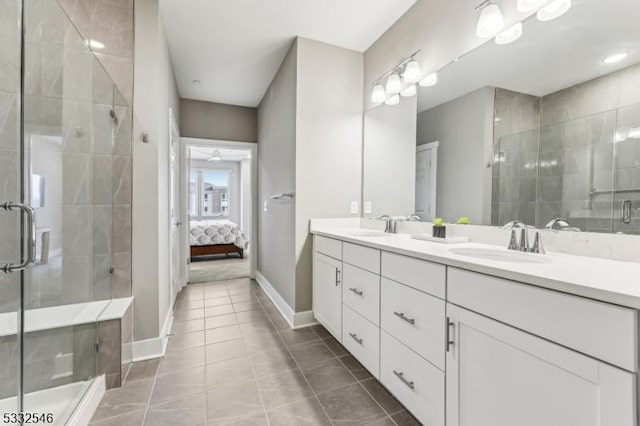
point(327, 293)
point(498, 375)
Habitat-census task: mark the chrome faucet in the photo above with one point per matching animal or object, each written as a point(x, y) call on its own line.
point(517, 223)
point(414, 218)
point(523, 244)
point(390, 226)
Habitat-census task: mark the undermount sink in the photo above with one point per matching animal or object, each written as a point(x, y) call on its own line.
point(368, 234)
point(508, 256)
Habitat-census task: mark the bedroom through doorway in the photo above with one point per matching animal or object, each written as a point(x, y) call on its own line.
point(219, 205)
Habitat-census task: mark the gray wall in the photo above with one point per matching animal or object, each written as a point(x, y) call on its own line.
point(328, 145)
point(207, 120)
point(235, 189)
point(390, 158)
point(464, 128)
point(276, 174)
point(155, 93)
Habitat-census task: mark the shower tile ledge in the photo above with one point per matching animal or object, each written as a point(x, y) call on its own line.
point(65, 315)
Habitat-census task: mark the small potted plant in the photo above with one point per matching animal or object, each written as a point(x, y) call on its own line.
point(463, 220)
point(439, 228)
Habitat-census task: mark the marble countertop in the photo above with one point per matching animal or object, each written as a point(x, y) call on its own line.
point(600, 279)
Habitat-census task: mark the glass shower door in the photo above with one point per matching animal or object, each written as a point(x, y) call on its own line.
point(10, 237)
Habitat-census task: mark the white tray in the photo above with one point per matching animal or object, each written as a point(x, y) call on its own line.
point(447, 240)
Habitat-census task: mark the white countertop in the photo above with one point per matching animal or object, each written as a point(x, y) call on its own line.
point(601, 279)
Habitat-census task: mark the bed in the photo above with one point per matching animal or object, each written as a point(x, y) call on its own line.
point(211, 237)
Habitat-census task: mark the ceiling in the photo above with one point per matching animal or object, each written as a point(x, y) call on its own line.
point(235, 47)
point(204, 153)
point(550, 56)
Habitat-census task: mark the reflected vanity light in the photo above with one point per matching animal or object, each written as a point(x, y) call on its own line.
point(624, 133)
point(412, 72)
point(554, 10)
point(95, 44)
point(429, 80)
point(491, 20)
point(393, 100)
point(378, 95)
point(510, 34)
point(615, 58)
point(393, 84)
point(409, 91)
point(525, 6)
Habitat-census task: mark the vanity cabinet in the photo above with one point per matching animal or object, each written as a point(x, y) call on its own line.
point(461, 348)
point(327, 293)
point(500, 376)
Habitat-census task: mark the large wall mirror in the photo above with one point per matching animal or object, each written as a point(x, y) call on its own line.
point(545, 127)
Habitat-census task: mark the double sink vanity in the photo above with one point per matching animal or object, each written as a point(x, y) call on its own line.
point(475, 334)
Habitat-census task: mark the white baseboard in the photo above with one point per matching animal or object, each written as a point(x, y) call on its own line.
point(153, 348)
point(295, 319)
point(89, 403)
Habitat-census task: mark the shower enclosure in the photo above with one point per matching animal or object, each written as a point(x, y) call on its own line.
point(65, 196)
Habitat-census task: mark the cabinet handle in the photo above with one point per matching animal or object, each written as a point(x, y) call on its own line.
point(448, 335)
point(356, 291)
point(337, 277)
point(404, 380)
point(354, 336)
point(401, 315)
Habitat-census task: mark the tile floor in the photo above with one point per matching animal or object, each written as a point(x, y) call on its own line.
point(233, 360)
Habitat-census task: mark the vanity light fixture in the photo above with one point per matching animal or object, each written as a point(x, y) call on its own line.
point(510, 35)
point(554, 10)
point(394, 85)
point(409, 91)
point(525, 6)
point(412, 72)
point(378, 95)
point(491, 20)
point(615, 58)
point(216, 156)
point(429, 80)
point(393, 100)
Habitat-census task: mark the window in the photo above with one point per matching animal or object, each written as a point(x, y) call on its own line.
point(210, 195)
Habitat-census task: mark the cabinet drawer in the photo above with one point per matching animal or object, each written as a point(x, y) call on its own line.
point(361, 292)
point(603, 331)
point(414, 318)
point(419, 274)
point(362, 257)
point(362, 339)
point(328, 246)
point(416, 383)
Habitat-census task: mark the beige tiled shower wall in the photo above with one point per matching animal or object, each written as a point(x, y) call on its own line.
point(107, 23)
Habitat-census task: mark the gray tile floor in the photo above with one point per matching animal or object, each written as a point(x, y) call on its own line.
point(233, 360)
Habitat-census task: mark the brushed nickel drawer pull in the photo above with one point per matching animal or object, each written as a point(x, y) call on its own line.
point(356, 291)
point(404, 317)
point(354, 336)
point(400, 376)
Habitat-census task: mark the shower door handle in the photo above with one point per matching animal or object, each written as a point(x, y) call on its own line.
point(30, 215)
point(626, 211)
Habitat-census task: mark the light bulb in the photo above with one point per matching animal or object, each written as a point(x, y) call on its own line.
point(412, 72)
point(526, 6)
point(510, 34)
point(554, 10)
point(409, 91)
point(429, 80)
point(378, 94)
point(393, 100)
point(393, 84)
point(490, 21)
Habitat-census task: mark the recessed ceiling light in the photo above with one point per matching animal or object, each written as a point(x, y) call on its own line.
point(196, 82)
point(615, 58)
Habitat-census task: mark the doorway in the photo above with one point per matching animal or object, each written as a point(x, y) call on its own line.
point(220, 189)
point(426, 172)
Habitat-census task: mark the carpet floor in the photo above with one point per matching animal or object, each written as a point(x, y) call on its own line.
point(218, 268)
